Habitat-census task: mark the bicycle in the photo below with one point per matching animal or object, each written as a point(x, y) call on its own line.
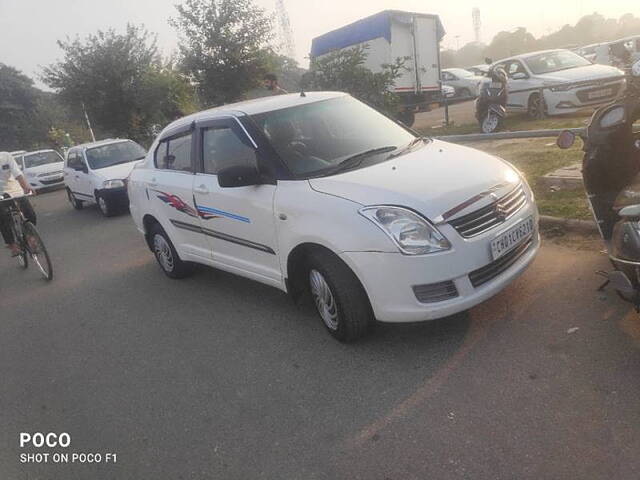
point(28, 239)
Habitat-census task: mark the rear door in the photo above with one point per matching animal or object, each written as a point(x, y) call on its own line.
point(170, 191)
point(238, 222)
point(427, 53)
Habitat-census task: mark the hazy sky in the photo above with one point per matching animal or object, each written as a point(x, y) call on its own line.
point(29, 28)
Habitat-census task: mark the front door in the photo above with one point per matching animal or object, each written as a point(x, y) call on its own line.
point(239, 222)
point(520, 86)
point(170, 190)
point(83, 179)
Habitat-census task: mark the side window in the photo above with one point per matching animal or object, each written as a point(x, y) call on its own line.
point(175, 154)
point(72, 160)
point(447, 77)
point(222, 148)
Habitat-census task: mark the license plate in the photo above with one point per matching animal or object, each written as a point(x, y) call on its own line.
point(513, 237)
point(600, 93)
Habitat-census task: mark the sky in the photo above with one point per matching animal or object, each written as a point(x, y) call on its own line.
point(29, 28)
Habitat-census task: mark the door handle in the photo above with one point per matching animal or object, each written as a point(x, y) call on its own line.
point(202, 189)
point(153, 182)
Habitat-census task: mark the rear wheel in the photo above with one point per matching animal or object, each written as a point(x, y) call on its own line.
point(464, 93)
point(339, 297)
point(35, 246)
point(166, 254)
point(75, 203)
point(408, 117)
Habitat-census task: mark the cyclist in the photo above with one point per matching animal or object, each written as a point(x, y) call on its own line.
point(13, 183)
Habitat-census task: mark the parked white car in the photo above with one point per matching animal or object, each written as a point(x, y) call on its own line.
point(320, 193)
point(448, 91)
point(466, 83)
point(42, 168)
point(97, 172)
point(481, 70)
point(568, 83)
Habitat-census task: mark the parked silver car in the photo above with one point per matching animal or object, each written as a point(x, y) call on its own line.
point(466, 83)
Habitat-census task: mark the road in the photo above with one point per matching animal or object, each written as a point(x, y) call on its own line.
point(218, 377)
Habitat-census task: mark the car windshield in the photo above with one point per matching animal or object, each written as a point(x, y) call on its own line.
point(461, 72)
point(555, 61)
point(114, 154)
point(313, 139)
point(41, 158)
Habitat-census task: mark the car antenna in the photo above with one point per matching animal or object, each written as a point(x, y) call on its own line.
point(302, 94)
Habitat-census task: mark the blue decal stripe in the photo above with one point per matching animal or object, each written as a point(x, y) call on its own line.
point(224, 214)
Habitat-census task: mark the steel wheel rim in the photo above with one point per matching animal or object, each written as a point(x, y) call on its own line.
point(103, 205)
point(163, 253)
point(324, 300)
point(490, 123)
point(536, 106)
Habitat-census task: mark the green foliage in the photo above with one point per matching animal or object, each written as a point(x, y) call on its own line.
point(345, 71)
point(121, 80)
point(18, 99)
point(223, 46)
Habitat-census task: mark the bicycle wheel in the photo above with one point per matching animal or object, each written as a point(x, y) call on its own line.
point(37, 250)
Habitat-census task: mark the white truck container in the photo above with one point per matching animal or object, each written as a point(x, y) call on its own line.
point(393, 34)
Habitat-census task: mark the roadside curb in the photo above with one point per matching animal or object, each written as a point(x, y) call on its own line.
point(585, 227)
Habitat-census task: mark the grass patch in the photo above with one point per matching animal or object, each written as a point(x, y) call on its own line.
point(535, 158)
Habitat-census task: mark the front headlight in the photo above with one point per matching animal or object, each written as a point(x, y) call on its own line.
point(561, 88)
point(613, 117)
point(411, 233)
point(113, 184)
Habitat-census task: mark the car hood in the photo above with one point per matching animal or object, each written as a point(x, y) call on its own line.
point(116, 172)
point(583, 74)
point(433, 180)
point(48, 168)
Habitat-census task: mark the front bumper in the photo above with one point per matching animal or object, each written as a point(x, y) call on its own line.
point(115, 196)
point(389, 278)
point(41, 183)
point(577, 99)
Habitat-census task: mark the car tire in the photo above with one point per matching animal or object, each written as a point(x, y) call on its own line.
point(535, 107)
point(106, 207)
point(465, 93)
point(339, 298)
point(75, 203)
point(166, 254)
point(407, 117)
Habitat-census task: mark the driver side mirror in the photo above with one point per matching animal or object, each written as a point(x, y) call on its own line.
point(519, 76)
point(239, 176)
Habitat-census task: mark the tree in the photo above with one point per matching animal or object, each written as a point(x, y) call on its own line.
point(344, 70)
point(121, 80)
point(223, 46)
point(18, 100)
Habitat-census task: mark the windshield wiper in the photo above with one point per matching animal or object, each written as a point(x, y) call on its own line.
point(408, 148)
point(355, 160)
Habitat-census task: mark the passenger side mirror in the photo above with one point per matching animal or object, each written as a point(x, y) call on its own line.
point(519, 76)
point(239, 176)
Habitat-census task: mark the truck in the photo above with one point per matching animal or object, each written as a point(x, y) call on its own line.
point(389, 35)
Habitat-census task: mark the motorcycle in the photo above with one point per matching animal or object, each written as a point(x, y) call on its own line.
point(491, 104)
point(611, 175)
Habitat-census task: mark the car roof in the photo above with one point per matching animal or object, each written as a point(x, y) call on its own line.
point(26, 154)
point(100, 143)
point(531, 54)
point(255, 106)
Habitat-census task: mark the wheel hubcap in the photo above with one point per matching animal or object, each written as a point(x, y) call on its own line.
point(163, 253)
point(324, 299)
point(490, 123)
point(103, 204)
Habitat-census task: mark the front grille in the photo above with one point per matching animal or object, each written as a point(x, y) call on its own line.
point(50, 174)
point(435, 292)
point(583, 95)
point(490, 216)
point(495, 268)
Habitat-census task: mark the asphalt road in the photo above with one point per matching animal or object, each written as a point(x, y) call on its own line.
point(218, 377)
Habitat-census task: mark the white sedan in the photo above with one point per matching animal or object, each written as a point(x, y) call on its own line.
point(42, 168)
point(554, 82)
point(320, 194)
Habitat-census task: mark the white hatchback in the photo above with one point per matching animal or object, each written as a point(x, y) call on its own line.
point(42, 168)
point(321, 194)
point(97, 172)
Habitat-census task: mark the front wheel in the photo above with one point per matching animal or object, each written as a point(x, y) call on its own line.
point(106, 207)
point(38, 252)
point(490, 123)
point(535, 108)
point(339, 297)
